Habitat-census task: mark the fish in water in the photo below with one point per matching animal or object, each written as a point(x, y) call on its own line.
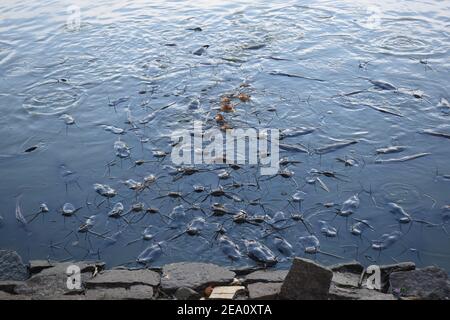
point(290, 75)
point(229, 248)
point(335, 146)
point(349, 206)
point(392, 149)
point(397, 210)
point(436, 133)
point(403, 159)
point(260, 253)
point(150, 254)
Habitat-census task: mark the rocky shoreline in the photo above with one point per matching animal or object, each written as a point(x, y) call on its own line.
point(40, 279)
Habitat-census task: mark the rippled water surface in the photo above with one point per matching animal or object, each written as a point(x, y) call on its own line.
point(132, 58)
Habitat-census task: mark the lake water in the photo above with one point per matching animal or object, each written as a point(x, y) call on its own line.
point(128, 59)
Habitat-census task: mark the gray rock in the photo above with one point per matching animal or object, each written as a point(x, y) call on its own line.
point(266, 276)
point(138, 292)
point(386, 270)
point(36, 266)
point(339, 293)
point(11, 266)
point(348, 267)
point(306, 280)
point(186, 294)
point(124, 279)
point(267, 291)
point(429, 283)
point(196, 276)
point(51, 283)
point(9, 286)
point(346, 279)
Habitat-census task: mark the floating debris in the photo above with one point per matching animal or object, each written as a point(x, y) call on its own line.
point(69, 209)
point(311, 244)
point(436, 133)
point(349, 206)
point(113, 129)
point(296, 132)
point(335, 146)
point(68, 119)
point(290, 75)
point(327, 230)
point(148, 118)
point(19, 215)
point(444, 106)
point(283, 246)
point(115, 103)
point(254, 46)
point(293, 148)
point(150, 254)
point(200, 51)
point(359, 227)
point(88, 224)
point(229, 248)
point(105, 190)
point(122, 150)
point(260, 253)
point(386, 240)
point(117, 210)
point(397, 210)
point(392, 149)
point(382, 85)
point(403, 159)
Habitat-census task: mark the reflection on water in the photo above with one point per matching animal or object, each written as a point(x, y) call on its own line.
point(97, 106)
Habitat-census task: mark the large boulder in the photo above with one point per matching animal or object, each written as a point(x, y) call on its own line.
point(306, 280)
point(196, 276)
point(429, 283)
point(12, 267)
